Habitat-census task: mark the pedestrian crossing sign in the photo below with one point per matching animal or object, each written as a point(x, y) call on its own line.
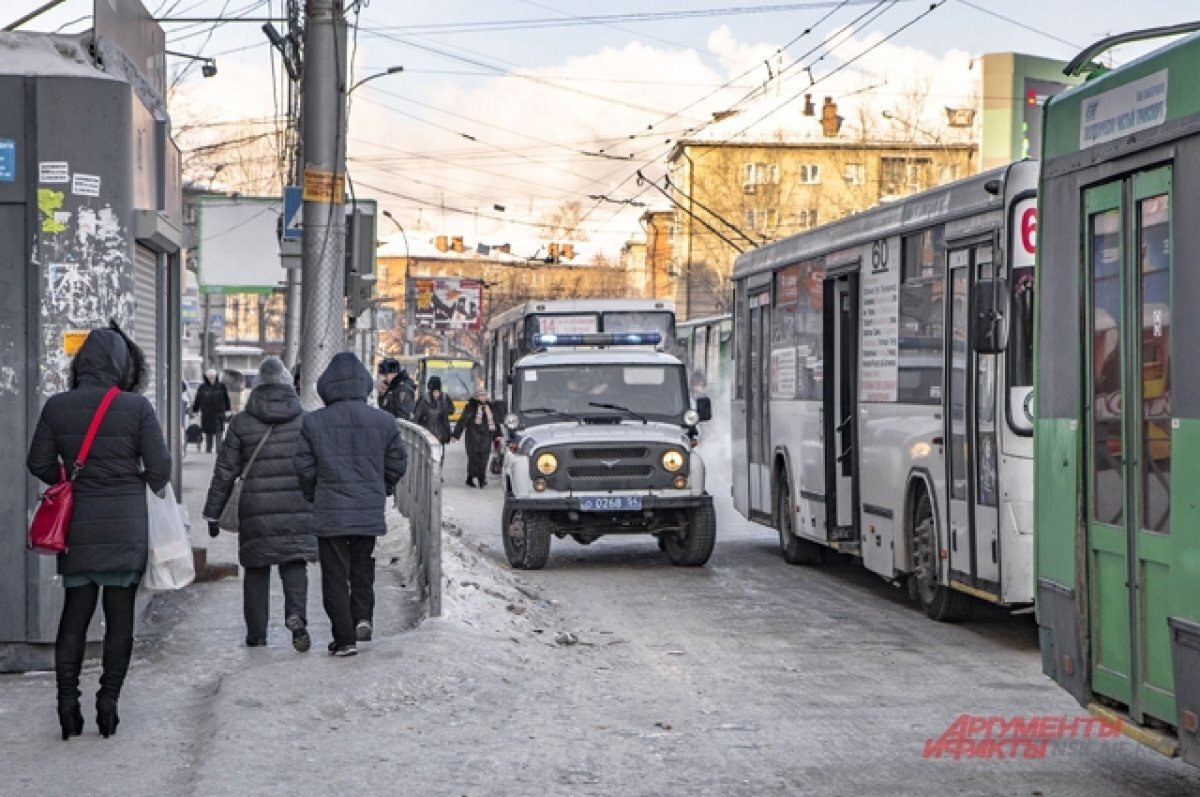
point(293, 213)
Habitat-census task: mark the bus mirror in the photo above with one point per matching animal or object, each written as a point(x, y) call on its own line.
point(704, 407)
point(990, 301)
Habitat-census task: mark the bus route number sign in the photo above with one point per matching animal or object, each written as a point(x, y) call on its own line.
point(879, 257)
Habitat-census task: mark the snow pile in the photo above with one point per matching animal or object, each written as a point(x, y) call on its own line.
point(396, 548)
point(477, 593)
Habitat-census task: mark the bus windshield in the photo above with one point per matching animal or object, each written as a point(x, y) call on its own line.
point(458, 377)
point(660, 322)
point(1020, 347)
point(653, 392)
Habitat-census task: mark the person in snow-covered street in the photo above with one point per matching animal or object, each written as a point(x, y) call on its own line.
point(274, 518)
point(349, 459)
point(212, 402)
point(398, 394)
point(481, 426)
point(433, 411)
point(107, 539)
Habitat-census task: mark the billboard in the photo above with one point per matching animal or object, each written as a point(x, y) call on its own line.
point(237, 249)
point(446, 302)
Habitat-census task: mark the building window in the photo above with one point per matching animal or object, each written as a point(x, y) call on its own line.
point(806, 219)
point(898, 175)
point(761, 220)
point(855, 173)
point(756, 174)
point(810, 173)
point(947, 173)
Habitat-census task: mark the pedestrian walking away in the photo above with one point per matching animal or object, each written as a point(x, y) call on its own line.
point(274, 517)
point(479, 426)
point(212, 402)
point(397, 394)
point(107, 540)
point(348, 459)
point(433, 411)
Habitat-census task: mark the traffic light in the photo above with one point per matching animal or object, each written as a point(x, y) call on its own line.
point(360, 259)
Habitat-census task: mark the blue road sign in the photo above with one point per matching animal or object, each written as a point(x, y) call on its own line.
point(293, 213)
point(8, 160)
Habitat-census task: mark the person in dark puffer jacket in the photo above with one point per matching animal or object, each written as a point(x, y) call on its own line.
point(349, 459)
point(107, 539)
point(274, 518)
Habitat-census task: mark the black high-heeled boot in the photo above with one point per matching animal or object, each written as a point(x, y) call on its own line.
point(70, 717)
point(106, 715)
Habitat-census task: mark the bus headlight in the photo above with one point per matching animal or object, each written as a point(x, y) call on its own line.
point(691, 418)
point(547, 463)
point(672, 460)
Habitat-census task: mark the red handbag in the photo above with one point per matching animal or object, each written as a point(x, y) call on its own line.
point(52, 518)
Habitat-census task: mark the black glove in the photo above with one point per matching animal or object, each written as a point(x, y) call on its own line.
point(214, 528)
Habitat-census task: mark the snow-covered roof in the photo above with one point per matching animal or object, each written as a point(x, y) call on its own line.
point(46, 54)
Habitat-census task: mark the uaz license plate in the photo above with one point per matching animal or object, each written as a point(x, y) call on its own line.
point(615, 503)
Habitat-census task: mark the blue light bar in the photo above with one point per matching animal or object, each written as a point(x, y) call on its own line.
point(598, 339)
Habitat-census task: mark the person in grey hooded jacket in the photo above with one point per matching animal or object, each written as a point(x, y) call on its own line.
point(274, 518)
point(349, 458)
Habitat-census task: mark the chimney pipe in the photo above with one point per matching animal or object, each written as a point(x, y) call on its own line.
point(831, 123)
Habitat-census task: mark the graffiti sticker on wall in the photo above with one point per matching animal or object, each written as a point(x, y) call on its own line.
point(85, 184)
point(50, 172)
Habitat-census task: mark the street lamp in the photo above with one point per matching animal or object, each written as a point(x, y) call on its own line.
point(391, 70)
point(408, 311)
point(208, 66)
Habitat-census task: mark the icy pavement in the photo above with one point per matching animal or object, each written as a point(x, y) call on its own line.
point(610, 672)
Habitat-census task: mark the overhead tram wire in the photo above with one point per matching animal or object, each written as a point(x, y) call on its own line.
point(609, 19)
point(679, 205)
point(807, 30)
point(549, 82)
point(717, 144)
point(845, 64)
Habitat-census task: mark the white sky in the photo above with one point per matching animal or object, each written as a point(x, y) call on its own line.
point(502, 114)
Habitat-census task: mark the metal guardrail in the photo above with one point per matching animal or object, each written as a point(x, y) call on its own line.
point(419, 498)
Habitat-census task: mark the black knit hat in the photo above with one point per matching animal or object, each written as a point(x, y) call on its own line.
point(389, 365)
point(435, 383)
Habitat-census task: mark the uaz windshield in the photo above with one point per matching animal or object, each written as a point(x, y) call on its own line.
point(550, 394)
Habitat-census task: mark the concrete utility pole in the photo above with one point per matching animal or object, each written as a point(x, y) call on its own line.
point(293, 312)
point(325, 69)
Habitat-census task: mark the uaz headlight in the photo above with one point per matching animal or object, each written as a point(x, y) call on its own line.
point(547, 463)
point(691, 418)
point(672, 460)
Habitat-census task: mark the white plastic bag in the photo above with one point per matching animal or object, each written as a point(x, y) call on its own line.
point(169, 563)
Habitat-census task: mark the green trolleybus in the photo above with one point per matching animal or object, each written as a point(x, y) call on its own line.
point(1117, 431)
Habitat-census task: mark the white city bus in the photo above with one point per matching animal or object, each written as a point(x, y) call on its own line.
point(873, 416)
point(510, 334)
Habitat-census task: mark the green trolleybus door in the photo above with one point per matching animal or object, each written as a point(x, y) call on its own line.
point(1128, 434)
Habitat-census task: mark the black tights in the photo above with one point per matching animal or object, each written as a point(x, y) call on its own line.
point(69, 647)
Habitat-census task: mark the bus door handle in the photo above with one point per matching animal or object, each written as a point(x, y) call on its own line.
point(842, 457)
point(841, 427)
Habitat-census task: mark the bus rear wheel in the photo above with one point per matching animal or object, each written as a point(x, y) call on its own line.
point(794, 550)
point(940, 602)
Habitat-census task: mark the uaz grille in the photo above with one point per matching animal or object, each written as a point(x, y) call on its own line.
point(609, 453)
point(600, 472)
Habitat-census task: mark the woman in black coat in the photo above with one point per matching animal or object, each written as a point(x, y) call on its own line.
point(107, 538)
point(274, 519)
point(481, 426)
point(212, 402)
point(433, 411)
